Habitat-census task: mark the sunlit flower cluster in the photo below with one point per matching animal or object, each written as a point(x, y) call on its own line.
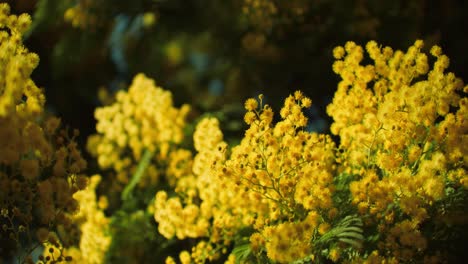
point(399, 163)
point(40, 164)
point(403, 136)
point(277, 182)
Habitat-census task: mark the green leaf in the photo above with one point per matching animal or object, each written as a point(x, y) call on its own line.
point(348, 230)
point(351, 242)
point(307, 259)
point(242, 252)
point(140, 171)
point(352, 229)
point(351, 219)
point(351, 235)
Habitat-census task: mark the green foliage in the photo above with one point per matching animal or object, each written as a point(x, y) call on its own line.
point(131, 241)
point(140, 171)
point(242, 252)
point(48, 14)
point(348, 231)
point(242, 249)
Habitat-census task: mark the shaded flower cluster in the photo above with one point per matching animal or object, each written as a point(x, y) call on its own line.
point(81, 15)
point(265, 14)
point(40, 164)
point(92, 226)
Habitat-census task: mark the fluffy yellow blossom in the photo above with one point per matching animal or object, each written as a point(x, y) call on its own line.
point(334, 255)
point(170, 260)
point(141, 119)
point(182, 216)
point(81, 15)
point(251, 104)
point(40, 164)
point(278, 172)
point(400, 129)
point(16, 66)
point(286, 242)
point(185, 257)
point(179, 221)
point(92, 224)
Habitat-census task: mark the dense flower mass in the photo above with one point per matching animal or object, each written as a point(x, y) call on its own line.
point(277, 182)
point(40, 164)
point(390, 187)
point(400, 162)
point(403, 135)
point(141, 119)
point(92, 226)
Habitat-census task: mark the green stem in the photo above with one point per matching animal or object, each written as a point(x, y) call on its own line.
point(140, 171)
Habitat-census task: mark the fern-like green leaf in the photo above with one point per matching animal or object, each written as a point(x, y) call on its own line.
point(242, 252)
point(354, 235)
point(352, 242)
point(348, 231)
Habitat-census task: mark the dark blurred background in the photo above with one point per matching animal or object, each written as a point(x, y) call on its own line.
point(215, 54)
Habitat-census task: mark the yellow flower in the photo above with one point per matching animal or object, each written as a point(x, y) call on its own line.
point(323, 228)
point(338, 52)
point(250, 117)
point(170, 260)
point(251, 104)
point(184, 257)
point(334, 254)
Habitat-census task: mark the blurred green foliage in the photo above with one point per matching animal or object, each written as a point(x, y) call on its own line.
point(214, 54)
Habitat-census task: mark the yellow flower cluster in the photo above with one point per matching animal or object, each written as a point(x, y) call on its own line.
point(141, 119)
point(184, 258)
point(402, 146)
point(289, 241)
point(403, 136)
point(80, 15)
point(277, 181)
point(93, 227)
point(290, 167)
point(18, 92)
point(40, 165)
point(174, 219)
point(190, 215)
